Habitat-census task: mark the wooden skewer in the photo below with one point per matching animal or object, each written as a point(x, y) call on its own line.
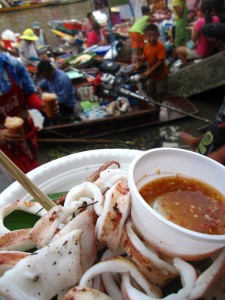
point(22, 178)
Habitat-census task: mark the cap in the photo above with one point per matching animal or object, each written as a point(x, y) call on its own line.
point(36, 25)
point(29, 35)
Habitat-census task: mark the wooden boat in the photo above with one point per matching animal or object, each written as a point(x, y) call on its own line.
point(198, 77)
point(140, 115)
point(30, 5)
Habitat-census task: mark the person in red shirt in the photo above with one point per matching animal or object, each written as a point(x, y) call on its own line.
point(97, 36)
point(155, 54)
point(17, 94)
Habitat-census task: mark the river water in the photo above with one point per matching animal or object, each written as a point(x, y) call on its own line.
point(142, 139)
point(19, 21)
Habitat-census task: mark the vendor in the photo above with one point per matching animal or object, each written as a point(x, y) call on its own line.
point(58, 82)
point(27, 51)
point(17, 93)
point(97, 36)
point(41, 43)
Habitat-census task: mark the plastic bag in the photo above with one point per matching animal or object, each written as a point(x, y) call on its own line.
point(9, 35)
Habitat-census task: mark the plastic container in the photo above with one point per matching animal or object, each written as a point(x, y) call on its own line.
point(162, 234)
point(72, 25)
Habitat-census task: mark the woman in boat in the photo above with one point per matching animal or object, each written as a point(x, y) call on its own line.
point(90, 22)
point(97, 36)
point(58, 82)
point(27, 51)
point(17, 93)
point(202, 46)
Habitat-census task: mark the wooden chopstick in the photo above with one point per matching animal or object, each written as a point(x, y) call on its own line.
point(22, 178)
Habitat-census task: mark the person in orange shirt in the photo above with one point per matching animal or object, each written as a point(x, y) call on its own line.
point(155, 54)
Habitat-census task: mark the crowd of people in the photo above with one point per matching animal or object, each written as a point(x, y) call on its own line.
point(18, 93)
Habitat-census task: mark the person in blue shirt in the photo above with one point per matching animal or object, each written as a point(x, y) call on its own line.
point(58, 82)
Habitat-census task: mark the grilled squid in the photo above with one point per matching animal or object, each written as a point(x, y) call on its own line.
point(109, 177)
point(28, 206)
point(80, 293)
point(96, 174)
point(208, 280)
point(111, 280)
point(85, 222)
point(86, 189)
point(45, 228)
point(119, 265)
point(154, 268)
point(8, 259)
point(116, 209)
point(18, 240)
point(46, 272)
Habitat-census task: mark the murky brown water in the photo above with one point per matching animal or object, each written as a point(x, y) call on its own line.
point(19, 21)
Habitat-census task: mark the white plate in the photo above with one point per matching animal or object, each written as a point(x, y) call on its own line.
point(63, 173)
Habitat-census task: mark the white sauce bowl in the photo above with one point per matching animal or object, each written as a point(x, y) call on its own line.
point(160, 233)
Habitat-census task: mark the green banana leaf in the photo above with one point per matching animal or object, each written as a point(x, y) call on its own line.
point(19, 219)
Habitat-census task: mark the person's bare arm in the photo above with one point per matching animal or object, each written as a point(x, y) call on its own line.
point(179, 10)
point(218, 155)
point(149, 71)
point(194, 35)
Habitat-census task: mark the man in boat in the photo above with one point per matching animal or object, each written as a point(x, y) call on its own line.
point(17, 94)
point(27, 51)
point(58, 82)
point(41, 43)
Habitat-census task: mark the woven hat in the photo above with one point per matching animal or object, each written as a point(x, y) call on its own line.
point(29, 35)
point(36, 25)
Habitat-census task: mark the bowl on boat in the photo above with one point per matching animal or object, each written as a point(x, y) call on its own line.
point(155, 221)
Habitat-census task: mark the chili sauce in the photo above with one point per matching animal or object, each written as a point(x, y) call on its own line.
point(187, 202)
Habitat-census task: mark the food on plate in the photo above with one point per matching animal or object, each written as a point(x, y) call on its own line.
point(81, 59)
point(89, 247)
point(81, 293)
point(154, 268)
point(9, 259)
point(116, 209)
point(181, 199)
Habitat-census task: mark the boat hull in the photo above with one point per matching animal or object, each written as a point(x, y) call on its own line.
point(23, 7)
point(140, 116)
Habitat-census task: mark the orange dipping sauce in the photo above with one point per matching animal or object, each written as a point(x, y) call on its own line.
point(187, 202)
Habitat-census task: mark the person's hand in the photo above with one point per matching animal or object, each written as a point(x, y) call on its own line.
point(55, 108)
point(168, 16)
point(145, 75)
point(136, 66)
point(6, 137)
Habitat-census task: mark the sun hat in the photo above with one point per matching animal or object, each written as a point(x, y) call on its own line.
point(36, 25)
point(115, 9)
point(29, 35)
